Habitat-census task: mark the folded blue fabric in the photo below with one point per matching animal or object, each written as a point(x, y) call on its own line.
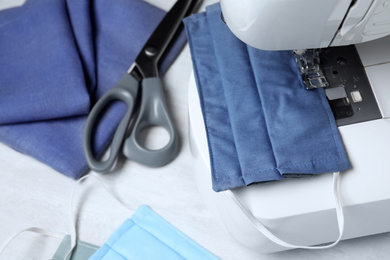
point(261, 122)
point(41, 75)
point(148, 236)
point(57, 59)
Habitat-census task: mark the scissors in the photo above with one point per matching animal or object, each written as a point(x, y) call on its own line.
point(143, 73)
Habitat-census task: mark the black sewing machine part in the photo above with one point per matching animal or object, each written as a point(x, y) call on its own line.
point(349, 92)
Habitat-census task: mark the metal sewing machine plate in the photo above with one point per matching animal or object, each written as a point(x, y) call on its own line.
point(340, 72)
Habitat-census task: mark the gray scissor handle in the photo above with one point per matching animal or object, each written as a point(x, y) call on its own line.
point(153, 112)
point(126, 90)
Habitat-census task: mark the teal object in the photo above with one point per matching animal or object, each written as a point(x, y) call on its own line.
point(148, 236)
point(82, 250)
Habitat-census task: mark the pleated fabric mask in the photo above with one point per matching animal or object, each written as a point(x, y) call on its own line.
point(148, 236)
point(261, 123)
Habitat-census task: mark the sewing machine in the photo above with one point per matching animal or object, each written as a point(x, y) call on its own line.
point(356, 77)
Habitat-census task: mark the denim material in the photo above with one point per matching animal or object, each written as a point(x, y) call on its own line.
point(261, 122)
point(148, 236)
point(35, 43)
point(73, 60)
point(222, 148)
point(237, 74)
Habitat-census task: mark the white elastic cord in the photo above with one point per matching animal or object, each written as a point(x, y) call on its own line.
point(35, 230)
point(73, 237)
point(273, 238)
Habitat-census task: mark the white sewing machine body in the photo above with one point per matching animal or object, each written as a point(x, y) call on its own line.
point(301, 24)
point(301, 211)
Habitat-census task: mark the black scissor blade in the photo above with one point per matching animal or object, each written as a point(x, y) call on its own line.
point(161, 37)
point(194, 6)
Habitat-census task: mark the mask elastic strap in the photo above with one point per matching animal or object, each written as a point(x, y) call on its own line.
point(73, 236)
point(35, 230)
point(273, 238)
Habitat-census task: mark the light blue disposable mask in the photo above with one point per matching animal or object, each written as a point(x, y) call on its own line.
point(144, 236)
point(148, 236)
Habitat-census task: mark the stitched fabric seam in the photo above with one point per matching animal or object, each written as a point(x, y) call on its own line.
point(115, 252)
point(240, 177)
point(86, 245)
point(201, 95)
point(265, 120)
point(314, 162)
point(331, 156)
point(149, 213)
point(323, 159)
point(329, 122)
point(161, 241)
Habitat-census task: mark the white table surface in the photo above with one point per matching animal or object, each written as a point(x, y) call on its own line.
point(33, 194)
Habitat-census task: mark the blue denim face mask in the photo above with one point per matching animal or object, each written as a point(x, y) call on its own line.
point(261, 122)
point(147, 236)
